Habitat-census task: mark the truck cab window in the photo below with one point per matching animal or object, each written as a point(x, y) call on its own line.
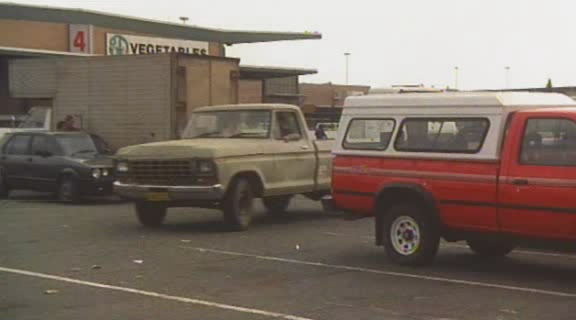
point(287, 126)
point(549, 142)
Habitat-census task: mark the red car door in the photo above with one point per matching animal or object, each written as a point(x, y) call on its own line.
point(538, 184)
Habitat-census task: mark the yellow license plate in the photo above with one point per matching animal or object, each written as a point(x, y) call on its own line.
point(157, 196)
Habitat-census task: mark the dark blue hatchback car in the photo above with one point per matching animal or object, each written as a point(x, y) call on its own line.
point(70, 164)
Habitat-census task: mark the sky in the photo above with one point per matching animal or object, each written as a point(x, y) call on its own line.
point(403, 42)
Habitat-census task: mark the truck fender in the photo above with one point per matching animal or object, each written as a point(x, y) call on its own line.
point(253, 175)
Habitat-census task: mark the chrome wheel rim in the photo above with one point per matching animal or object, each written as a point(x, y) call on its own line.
point(405, 235)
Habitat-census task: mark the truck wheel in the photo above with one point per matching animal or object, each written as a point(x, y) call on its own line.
point(4, 190)
point(410, 235)
point(490, 248)
point(68, 190)
point(276, 205)
point(150, 215)
point(238, 205)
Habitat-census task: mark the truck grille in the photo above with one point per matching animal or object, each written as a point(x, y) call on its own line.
point(155, 170)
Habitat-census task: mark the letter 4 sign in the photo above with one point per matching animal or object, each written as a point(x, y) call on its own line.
point(80, 38)
point(122, 44)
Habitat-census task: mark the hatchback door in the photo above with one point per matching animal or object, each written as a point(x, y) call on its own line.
point(46, 162)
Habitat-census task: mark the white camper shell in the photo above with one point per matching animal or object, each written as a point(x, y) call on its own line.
point(393, 109)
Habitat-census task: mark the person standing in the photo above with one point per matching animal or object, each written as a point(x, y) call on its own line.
point(321, 133)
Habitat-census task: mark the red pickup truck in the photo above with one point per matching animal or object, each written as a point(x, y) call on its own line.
point(493, 169)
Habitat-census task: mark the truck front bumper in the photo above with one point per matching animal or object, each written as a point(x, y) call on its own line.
point(168, 193)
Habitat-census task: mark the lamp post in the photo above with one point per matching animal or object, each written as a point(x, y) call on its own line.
point(456, 77)
point(347, 57)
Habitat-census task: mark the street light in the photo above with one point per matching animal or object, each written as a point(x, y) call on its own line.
point(456, 76)
point(507, 73)
point(347, 56)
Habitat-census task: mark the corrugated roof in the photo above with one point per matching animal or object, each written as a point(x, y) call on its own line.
point(22, 52)
point(14, 11)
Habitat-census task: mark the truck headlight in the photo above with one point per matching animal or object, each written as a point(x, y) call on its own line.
point(105, 172)
point(122, 166)
point(206, 167)
point(96, 173)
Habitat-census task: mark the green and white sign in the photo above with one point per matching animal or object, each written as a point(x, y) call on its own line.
point(123, 44)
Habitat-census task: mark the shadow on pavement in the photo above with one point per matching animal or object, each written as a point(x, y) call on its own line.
point(212, 221)
point(525, 271)
point(50, 198)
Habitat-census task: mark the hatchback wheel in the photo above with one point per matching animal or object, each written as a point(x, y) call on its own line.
point(68, 190)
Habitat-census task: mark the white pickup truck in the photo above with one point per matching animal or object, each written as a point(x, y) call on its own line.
point(229, 155)
point(38, 118)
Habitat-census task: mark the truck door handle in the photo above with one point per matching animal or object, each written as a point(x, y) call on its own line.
point(520, 182)
point(304, 147)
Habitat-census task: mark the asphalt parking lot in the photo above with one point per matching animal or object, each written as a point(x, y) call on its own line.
point(94, 261)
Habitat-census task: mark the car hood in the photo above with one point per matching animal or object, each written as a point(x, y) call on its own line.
point(193, 148)
point(95, 160)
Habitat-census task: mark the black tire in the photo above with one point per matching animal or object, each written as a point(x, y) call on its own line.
point(68, 190)
point(276, 205)
point(490, 248)
point(4, 190)
point(150, 215)
point(416, 235)
point(238, 206)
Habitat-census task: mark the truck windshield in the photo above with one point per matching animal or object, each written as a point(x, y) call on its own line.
point(253, 124)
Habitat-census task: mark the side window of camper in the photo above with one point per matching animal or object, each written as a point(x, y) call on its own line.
point(462, 135)
point(369, 134)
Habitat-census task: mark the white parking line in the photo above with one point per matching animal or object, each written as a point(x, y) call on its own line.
point(205, 303)
point(388, 273)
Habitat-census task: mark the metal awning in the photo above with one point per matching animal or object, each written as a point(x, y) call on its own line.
point(158, 28)
point(261, 73)
point(23, 52)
